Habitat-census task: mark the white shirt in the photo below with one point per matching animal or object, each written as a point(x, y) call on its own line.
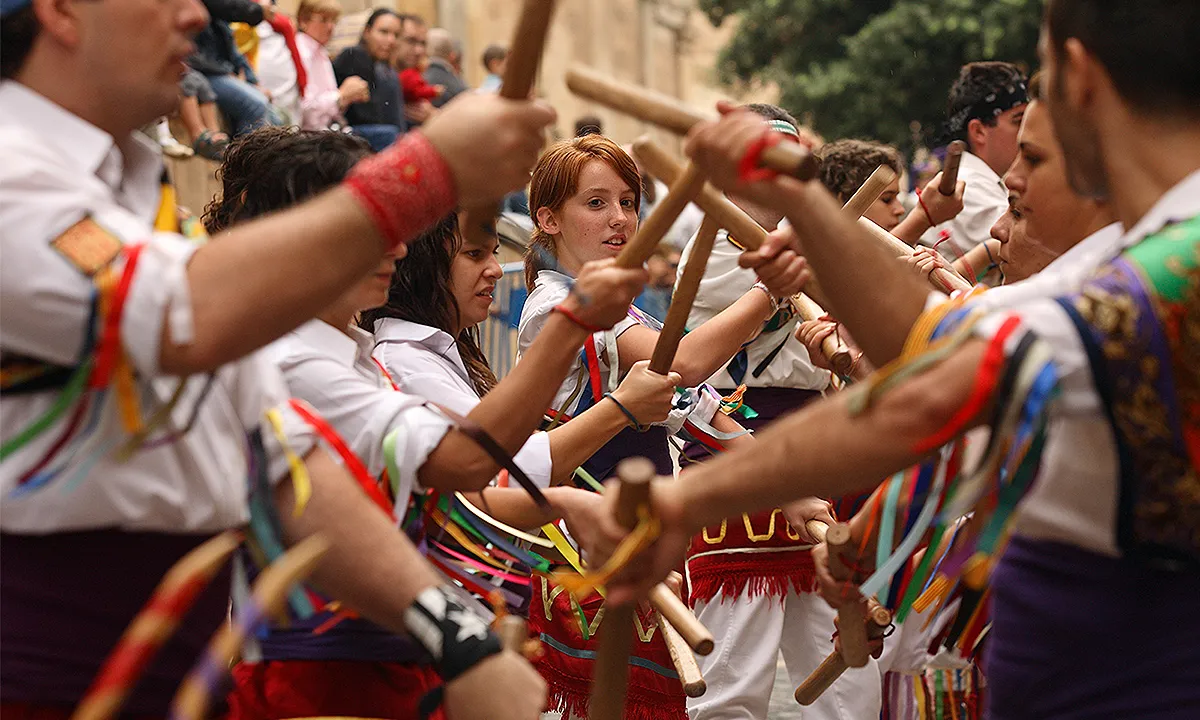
point(551, 289)
point(319, 107)
point(333, 371)
point(277, 71)
point(424, 361)
point(984, 200)
point(58, 169)
point(724, 282)
point(1074, 499)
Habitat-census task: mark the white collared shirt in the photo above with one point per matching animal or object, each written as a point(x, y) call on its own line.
point(984, 200)
point(425, 361)
point(723, 284)
point(56, 170)
point(1074, 499)
point(333, 371)
point(551, 289)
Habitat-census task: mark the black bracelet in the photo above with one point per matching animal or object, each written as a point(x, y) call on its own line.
point(455, 637)
point(632, 419)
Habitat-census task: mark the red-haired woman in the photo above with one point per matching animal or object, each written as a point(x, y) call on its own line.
point(584, 198)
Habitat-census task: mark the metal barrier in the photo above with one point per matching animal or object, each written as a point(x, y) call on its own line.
point(498, 334)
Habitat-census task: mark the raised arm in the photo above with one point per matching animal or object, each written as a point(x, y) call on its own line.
point(821, 450)
point(867, 290)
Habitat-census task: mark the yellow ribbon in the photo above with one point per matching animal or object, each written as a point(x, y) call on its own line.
point(581, 585)
point(300, 479)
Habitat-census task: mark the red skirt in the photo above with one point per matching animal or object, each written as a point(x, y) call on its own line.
point(277, 689)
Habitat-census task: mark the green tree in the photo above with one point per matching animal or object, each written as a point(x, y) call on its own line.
point(870, 68)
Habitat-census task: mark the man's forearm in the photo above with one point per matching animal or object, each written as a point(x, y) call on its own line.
point(371, 566)
point(823, 451)
point(867, 288)
point(263, 279)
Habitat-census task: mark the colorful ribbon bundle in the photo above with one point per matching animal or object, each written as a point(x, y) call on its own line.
point(1017, 379)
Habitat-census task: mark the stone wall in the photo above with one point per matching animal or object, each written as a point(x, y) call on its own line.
point(666, 45)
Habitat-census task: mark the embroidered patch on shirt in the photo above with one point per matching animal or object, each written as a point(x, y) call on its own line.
point(87, 246)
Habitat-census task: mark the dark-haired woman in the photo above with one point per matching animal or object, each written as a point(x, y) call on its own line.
point(426, 339)
point(380, 119)
point(333, 664)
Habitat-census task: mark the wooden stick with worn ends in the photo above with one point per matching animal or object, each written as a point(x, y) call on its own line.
point(878, 621)
point(610, 679)
point(869, 191)
point(954, 155)
point(667, 112)
point(520, 74)
point(267, 599)
point(668, 604)
point(817, 529)
point(941, 278)
point(748, 232)
point(683, 660)
point(650, 233)
point(682, 299)
point(852, 629)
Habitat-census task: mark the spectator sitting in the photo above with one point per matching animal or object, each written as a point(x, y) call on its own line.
point(494, 59)
point(217, 58)
point(323, 101)
point(445, 65)
point(410, 60)
point(279, 67)
point(380, 118)
point(198, 111)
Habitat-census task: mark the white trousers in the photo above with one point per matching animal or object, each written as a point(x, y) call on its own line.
point(750, 634)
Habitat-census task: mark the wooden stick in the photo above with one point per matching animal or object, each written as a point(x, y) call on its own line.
point(682, 299)
point(683, 660)
point(852, 629)
point(270, 592)
point(878, 621)
point(513, 633)
point(153, 626)
point(954, 155)
point(650, 233)
point(941, 279)
point(667, 112)
point(869, 192)
point(610, 679)
point(748, 233)
point(817, 529)
point(520, 74)
point(668, 604)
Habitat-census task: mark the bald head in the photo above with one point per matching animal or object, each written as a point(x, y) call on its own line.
point(444, 45)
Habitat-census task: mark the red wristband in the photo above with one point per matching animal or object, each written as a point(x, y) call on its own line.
point(748, 168)
point(565, 312)
point(404, 189)
point(928, 217)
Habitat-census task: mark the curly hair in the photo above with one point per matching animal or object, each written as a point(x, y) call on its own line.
point(421, 293)
point(846, 164)
point(276, 167)
point(977, 81)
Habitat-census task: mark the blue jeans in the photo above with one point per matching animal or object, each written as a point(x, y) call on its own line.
point(377, 136)
point(242, 103)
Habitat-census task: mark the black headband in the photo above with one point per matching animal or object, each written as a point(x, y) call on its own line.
point(987, 108)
